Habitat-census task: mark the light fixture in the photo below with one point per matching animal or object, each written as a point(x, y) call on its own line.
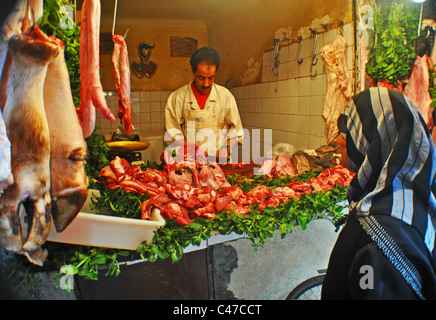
point(418, 1)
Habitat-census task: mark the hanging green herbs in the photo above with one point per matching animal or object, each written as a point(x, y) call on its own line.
point(97, 157)
point(392, 54)
point(54, 23)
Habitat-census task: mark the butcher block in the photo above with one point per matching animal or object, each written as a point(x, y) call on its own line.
point(243, 169)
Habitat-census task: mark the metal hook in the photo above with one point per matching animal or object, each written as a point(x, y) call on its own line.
point(300, 40)
point(314, 58)
point(341, 27)
point(276, 62)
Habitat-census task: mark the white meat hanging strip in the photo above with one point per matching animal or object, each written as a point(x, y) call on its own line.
point(91, 90)
point(120, 61)
point(339, 85)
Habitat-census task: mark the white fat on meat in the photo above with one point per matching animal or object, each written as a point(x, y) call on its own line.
point(339, 85)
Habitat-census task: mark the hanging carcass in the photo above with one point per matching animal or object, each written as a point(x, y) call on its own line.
point(25, 205)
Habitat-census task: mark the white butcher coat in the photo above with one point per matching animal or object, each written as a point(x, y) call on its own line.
point(219, 116)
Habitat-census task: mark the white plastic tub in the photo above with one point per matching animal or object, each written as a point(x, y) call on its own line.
point(89, 229)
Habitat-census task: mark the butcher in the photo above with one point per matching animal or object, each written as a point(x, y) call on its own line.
point(203, 111)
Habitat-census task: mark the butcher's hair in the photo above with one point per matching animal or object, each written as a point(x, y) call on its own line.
point(205, 54)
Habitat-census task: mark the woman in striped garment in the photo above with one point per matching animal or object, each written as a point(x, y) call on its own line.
point(386, 249)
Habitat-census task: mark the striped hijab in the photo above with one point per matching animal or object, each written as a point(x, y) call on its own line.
point(391, 150)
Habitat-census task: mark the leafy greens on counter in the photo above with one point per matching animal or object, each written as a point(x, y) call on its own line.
point(170, 240)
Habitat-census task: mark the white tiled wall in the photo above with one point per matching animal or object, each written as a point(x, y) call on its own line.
point(147, 111)
point(290, 103)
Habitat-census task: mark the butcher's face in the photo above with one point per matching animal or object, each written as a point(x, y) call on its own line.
point(204, 77)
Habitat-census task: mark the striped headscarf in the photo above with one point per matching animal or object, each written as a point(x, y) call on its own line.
point(391, 150)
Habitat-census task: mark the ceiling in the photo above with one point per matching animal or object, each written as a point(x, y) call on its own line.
point(207, 11)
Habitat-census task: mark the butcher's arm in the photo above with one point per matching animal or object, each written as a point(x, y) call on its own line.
point(234, 123)
point(173, 119)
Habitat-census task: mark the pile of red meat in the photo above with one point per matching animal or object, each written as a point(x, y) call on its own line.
point(186, 191)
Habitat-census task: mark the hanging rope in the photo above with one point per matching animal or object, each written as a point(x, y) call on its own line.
point(115, 17)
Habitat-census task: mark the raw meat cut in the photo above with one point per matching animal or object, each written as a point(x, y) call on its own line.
point(327, 179)
point(280, 166)
point(386, 84)
point(184, 202)
point(363, 60)
point(284, 166)
point(25, 205)
point(211, 175)
point(131, 178)
point(69, 181)
point(12, 25)
point(339, 85)
point(91, 91)
point(417, 87)
point(120, 61)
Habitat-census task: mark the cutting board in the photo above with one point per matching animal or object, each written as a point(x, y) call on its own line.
point(125, 146)
point(247, 170)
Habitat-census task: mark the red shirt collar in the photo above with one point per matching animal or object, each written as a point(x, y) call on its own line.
point(201, 97)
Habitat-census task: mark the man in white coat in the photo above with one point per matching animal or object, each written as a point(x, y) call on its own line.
point(203, 112)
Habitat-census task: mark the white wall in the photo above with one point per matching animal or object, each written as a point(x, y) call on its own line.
point(291, 103)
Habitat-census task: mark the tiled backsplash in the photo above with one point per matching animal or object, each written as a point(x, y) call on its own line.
point(147, 111)
point(290, 102)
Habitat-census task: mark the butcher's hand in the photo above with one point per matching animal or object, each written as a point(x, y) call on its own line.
point(223, 153)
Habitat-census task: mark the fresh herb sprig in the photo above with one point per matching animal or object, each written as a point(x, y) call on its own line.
point(53, 24)
point(118, 202)
point(392, 52)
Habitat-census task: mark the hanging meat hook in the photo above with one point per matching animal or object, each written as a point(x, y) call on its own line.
point(115, 16)
point(300, 40)
point(276, 62)
point(314, 58)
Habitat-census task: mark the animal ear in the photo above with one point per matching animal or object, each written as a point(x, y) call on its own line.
point(77, 154)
